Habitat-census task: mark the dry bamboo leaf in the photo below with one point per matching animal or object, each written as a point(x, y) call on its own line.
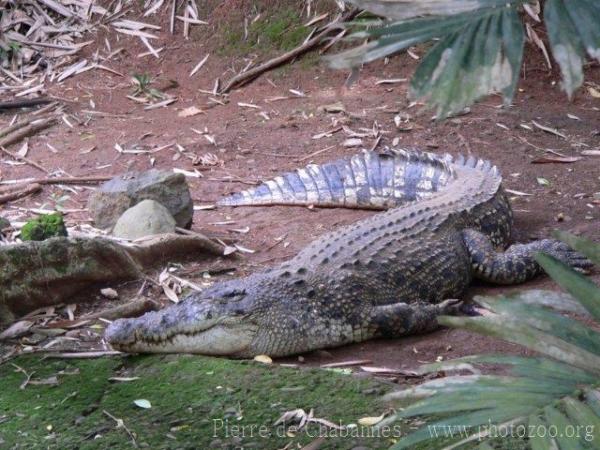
point(189, 112)
point(555, 159)
point(539, 43)
point(263, 359)
point(109, 293)
point(187, 173)
point(352, 142)
point(204, 207)
point(593, 92)
point(160, 104)
point(391, 81)
point(550, 130)
point(519, 193)
point(297, 93)
point(370, 421)
point(198, 66)
point(591, 153)
point(248, 105)
point(244, 249)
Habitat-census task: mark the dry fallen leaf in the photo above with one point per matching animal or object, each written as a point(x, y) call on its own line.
point(370, 421)
point(263, 359)
point(109, 293)
point(593, 92)
point(189, 112)
point(352, 142)
point(142, 403)
point(16, 329)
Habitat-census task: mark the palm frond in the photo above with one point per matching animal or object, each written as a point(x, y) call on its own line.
point(573, 28)
point(479, 46)
point(554, 398)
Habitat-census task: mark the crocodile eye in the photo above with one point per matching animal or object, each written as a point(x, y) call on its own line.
point(235, 293)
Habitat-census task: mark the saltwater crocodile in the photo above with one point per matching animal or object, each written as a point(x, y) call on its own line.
point(389, 275)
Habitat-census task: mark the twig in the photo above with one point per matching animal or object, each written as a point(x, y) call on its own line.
point(121, 424)
point(27, 375)
point(233, 180)
point(29, 189)
point(358, 362)
point(24, 159)
point(249, 75)
point(304, 158)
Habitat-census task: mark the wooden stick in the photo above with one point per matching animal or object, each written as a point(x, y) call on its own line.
point(249, 75)
point(30, 189)
point(16, 126)
point(60, 180)
point(79, 355)
point(46, 108)
point(27, 130)
point(25, 103)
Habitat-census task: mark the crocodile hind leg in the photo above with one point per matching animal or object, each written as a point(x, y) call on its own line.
point(517, 264)
point(401, 319)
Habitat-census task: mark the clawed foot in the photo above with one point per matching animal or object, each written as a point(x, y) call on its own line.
point(564, 253)
point(454, 306)
point(450, 307)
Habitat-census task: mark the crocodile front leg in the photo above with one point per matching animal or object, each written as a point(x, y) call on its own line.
point(401, 319)
point(517, 264)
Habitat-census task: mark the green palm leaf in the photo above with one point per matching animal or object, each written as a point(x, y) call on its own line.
point(573, 29)
point(554, 399)
point(479, 46)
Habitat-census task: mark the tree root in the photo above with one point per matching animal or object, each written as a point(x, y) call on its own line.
point(45, 273)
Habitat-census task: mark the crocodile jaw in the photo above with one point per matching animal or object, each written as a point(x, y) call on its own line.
point(169, 331)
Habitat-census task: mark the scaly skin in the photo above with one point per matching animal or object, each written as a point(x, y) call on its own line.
point(386, 276)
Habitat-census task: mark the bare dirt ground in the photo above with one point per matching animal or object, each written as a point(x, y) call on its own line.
point(251, 146)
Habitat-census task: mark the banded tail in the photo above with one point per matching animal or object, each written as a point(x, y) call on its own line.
point(367, 180)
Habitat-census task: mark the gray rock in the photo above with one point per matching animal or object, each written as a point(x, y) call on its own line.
point(144, 219)
point(116, 196)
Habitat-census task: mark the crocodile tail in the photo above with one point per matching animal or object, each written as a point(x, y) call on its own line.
point(478, 164)
point(367, 180)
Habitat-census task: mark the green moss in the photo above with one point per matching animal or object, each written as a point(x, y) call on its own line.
point(279, 30)
point(44, 227)
point(192, 399)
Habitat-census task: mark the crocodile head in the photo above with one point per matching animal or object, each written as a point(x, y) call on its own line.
point(220, 321)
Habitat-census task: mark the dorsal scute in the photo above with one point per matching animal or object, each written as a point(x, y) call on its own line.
point(366, 180)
